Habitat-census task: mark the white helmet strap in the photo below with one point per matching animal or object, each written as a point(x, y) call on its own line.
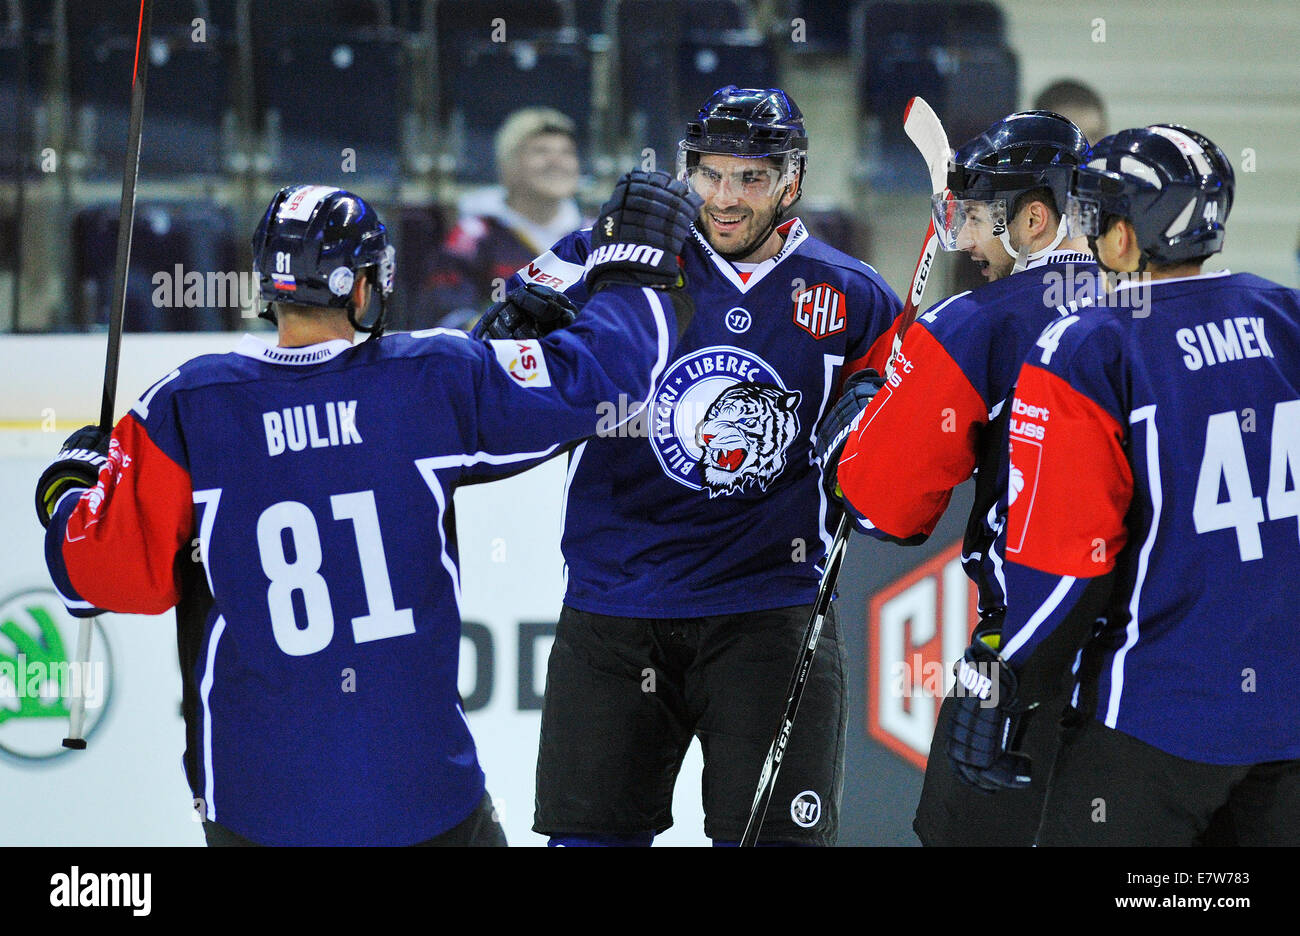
point(1023, 256)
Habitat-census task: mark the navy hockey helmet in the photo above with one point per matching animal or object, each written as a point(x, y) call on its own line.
point(1017, 154)
point(1172, 184)
point(748, 122)
point(311, 245)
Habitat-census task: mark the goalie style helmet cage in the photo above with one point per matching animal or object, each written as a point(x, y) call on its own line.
point(311, 245)
point(1171, 183)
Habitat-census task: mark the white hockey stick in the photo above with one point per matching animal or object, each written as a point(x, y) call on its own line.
point(924, 129)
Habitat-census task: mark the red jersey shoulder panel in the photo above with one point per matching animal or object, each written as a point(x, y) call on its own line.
point(1070, 481)
point(916, 441)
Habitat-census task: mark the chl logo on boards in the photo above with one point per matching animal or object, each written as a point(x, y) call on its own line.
point(918, 627)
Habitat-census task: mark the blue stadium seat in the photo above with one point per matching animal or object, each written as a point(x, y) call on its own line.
point(199, 236)
point(672, 54)
point(496, 79)
point(837, 228)
point(952, 54)
point(589, 16)
point(417, 232)
point(826, 25)
point(25, 59)
point(463, 26)
point(182, 131)
point(324, 90)
point(317, 14)
point(14, 101)
point(90, 22)
point(407, 15)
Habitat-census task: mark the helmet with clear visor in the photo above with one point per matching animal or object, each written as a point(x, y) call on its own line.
point(1017, 154)
point(762, 124)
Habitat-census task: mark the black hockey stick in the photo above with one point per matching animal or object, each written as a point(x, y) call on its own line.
point(924, 129)
point(116, 317)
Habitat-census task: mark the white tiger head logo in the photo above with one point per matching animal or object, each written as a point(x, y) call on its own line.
point(744, 436)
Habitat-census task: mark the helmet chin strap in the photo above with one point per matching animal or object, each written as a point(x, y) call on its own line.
point(376, 328)
point(1023, 256)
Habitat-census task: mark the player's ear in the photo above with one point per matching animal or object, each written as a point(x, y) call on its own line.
point(1042, 217)
point(361, 293)
point(791, 190)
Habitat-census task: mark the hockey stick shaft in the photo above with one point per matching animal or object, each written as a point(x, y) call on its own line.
point(925, 130)
point(126, 217)
point(116, 318)
point(798, 680)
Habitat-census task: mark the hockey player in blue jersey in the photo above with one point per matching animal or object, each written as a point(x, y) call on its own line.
point(692, 537)
point(1158, 441)
point(318, 630)
point(948, 408)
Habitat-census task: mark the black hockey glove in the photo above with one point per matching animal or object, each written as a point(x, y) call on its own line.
point(987, 722)
point(531, 311)
point(840, 421)
point(639, 233)
point(76, 466)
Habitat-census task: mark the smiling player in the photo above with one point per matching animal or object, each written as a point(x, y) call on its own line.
point(693, 543)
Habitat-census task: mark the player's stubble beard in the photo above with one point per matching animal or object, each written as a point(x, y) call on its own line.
point(765, 225)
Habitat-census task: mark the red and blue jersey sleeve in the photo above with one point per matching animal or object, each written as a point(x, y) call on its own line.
point(114, 547)
point(915, 442)
point(874, 341)
point(1070, 481)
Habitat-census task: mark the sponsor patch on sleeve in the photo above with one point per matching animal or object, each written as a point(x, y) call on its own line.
point(523, 361)
point(550, 270)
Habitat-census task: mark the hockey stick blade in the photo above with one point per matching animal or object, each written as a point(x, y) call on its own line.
point(924, 129)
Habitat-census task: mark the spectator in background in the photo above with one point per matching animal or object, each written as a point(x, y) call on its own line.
point(1078, 102)
point(503, 227)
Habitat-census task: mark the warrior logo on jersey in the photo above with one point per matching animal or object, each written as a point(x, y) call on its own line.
point(744, 436)
point(820, 310)
point(722, 420)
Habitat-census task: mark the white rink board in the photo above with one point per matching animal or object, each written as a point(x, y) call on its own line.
point(128, 787)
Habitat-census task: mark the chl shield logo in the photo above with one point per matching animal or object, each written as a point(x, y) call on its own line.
point(820, 310)
point(39, 675)
point(919, 626)
point(722, 421)
point(806, 809)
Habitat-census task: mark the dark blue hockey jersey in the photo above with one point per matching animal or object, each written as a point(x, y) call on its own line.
point(296, 504)
point(1160, 438)
point(942, 417)
point(713, 503)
